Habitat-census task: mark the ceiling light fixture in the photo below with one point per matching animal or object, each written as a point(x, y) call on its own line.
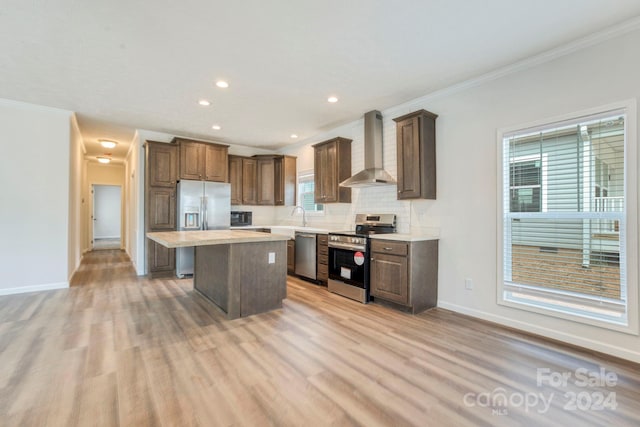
point(222, 84)
point(216, 127)
point(204, 102)
point(332, 99)
point(104, 159)
point(294, 136)
point(108, 144)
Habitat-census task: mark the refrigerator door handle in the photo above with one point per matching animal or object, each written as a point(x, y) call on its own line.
point(205, 223)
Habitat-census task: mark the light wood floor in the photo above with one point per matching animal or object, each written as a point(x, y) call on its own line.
point(116, 349)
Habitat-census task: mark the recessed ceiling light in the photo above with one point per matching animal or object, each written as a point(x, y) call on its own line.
point(332, 99)
point(294, 136)
point(104, 159)
point(222, 84)
point(204, 102)
point(216, 127)
point(108, 144)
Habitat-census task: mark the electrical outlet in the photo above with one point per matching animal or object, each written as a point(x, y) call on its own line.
point(468, 284)
point(272, 257)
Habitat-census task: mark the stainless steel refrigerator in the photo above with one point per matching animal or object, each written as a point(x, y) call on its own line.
point(202, 205)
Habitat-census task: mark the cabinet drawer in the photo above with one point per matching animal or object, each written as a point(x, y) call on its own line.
point(323, 272)
point(389, 247)
point(323, 239)
point(323, 249)
point(323, 259)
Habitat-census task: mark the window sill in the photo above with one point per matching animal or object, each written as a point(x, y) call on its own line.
point(553, 308)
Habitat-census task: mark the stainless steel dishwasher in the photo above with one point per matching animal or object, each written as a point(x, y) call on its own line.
point(306, 255)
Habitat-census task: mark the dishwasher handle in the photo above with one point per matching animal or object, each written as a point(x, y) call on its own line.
point(306, 236)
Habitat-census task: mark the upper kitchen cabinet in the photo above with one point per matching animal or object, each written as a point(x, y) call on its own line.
point(235, 179)
point(162, 161)
point(416, 145)
point(332, 165)
point(265, 172)
point(202, 160)
point(249, 181)
point(263, 180)
point(285, 181)
point(215, 162)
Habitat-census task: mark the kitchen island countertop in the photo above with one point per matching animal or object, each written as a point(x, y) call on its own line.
point(181, 239)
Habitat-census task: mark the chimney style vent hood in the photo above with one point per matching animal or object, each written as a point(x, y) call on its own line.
point(373, 174)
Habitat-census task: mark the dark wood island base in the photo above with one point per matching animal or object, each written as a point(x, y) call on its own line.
point(242, 272)
point(239, 277)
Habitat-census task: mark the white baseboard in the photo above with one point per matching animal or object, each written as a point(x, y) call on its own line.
point(616, 351)
point(34, 288)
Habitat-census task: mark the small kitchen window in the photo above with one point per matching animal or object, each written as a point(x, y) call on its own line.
point(306, 187)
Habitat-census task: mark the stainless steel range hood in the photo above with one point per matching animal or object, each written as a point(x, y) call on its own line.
point(373, 173)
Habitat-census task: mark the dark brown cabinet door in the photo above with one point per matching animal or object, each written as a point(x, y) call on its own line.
point(330, 175)
point(319, 165)
point(286, 181)
point(266, 181)
point(160, 258)
point(216, 160)
point(323, 258)
point(161, 208)
point(235, 179)
point(332, 165)
point(408, 144)
point(291, 256)
point(249, 178)
point(389, 278)
point(416, 155)
point(192, 160)
point(278, 175)
point(162, 164)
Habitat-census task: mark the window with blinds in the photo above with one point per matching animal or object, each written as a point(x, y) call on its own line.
point(306, 192)
point(563, 219)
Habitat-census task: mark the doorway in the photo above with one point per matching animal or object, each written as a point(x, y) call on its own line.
point(107, 216)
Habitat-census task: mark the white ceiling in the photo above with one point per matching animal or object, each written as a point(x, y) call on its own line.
point(125, 65)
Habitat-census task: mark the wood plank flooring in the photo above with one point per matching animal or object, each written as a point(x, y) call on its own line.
point(116, 349)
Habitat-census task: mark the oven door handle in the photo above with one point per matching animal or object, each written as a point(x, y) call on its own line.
point(347, 247)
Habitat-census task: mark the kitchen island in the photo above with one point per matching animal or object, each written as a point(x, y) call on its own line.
point(242, 272)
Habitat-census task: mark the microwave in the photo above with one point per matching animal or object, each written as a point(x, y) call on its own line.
point(240, 218)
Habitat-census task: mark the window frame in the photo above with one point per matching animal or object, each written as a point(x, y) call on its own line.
point(305, 174)
point(631, 185)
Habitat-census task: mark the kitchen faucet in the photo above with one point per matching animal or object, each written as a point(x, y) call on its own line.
point(304, 216)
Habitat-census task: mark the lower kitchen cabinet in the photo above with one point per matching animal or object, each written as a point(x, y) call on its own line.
point(162, 260)
point(322, 251)
point(291, 256)
point(405, 273)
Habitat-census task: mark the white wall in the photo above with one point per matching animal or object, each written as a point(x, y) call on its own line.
point(465, 211)
point(76, 173)
point(134, 205)
point(34, 206)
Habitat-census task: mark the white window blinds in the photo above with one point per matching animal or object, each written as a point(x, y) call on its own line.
point(564, 217)
point(306, 192)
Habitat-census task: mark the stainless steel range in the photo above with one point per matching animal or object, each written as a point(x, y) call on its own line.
point(349, 255)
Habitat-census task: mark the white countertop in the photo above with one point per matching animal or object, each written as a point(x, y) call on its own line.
point(413, 237)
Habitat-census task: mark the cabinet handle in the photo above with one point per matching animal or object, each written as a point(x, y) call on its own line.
point(372, 259)
point(388, 249)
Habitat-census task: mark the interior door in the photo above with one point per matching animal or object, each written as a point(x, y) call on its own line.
point(107, 215)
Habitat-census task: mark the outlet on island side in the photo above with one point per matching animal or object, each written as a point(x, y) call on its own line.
point(272, 257)
point(468, 284)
